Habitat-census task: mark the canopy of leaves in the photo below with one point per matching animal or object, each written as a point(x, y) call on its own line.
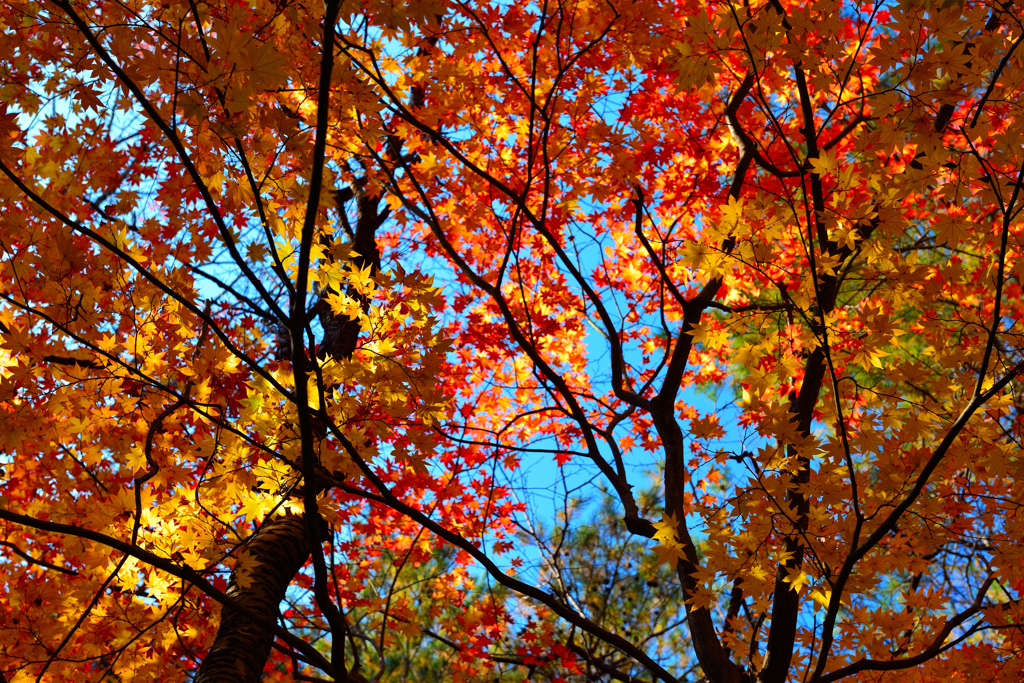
point(302, 303)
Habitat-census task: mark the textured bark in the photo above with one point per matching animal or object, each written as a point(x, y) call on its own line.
point(241, 647)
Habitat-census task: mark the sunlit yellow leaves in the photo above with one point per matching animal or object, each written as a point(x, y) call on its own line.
point(348, 307)
point(427, 162)
point(253, 402)
point(731, 215)
point(797, 578)
point(136, 460)
point(667, 529)
point(7, 360)
point(337, 275)
point(668, 549)
point(759, 380)
point(162, 587)
point(822, 598)
point(711, 334)
point(757, 573)
point(703, 594)
point(255, 507)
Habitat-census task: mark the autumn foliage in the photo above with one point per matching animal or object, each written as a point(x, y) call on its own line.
point(302, 304)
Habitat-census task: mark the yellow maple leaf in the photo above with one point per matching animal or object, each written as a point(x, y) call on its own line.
point(667, 529)
point(254, 507)
point(822, 598)
point(108, 343)
point(825, 164)
point(797, 579)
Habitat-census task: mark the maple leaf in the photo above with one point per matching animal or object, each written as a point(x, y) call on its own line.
point(951, 229)
point(701, 598)
point(669, 552)
point(256, 251)
point(667, 529)
point(707, 428)
point(254, 507)
point(797, 578)
point(265, 64)
point(824, 164)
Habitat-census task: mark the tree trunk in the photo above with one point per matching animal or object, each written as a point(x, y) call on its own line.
point(241, 648)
